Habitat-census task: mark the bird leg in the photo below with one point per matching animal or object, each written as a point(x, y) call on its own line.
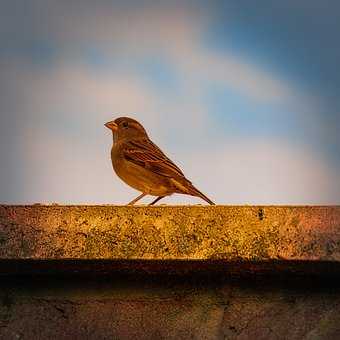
point(156, 200)
point(137, 199)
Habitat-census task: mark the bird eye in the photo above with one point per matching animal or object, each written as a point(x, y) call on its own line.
point(125, 124)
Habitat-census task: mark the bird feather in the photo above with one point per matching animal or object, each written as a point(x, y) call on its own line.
point(148, 155)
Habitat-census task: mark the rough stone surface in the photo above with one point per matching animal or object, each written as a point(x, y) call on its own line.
point(231, 233)
point(120, 309)
point(185, 240)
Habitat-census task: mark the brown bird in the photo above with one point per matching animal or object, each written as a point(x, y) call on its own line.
point(142, 165)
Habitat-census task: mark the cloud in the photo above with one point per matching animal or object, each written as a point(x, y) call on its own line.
point(237, 172)
point(175, 34)
point(52, 128)
point(53, 113)
point(263, 171)
point(62, 148)
point(69, 90)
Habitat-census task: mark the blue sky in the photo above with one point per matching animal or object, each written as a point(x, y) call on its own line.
point(243, 96)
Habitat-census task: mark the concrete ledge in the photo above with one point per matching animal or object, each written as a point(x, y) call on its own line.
point(228, 237)
point(84, 243)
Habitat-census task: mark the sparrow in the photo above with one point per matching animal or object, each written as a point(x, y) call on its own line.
point(142, 165)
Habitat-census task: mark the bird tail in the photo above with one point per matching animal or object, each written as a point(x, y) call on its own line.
point(196, 192)
point(184, 186)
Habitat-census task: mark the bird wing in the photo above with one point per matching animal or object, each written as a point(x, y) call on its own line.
point(148, 155)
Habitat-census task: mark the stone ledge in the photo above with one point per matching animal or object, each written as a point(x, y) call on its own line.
point(232, 236)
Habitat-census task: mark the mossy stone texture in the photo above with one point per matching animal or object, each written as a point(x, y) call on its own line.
point(231, 233)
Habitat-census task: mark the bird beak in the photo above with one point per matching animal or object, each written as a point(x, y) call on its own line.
point(112, 126)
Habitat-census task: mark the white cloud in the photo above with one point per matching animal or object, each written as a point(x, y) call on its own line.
point(236, 172)
point(267, 171)
point(60, 110)
point(172, 33)
point(72, 165)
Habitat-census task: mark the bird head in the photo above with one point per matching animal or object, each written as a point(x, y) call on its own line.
point(124, 128)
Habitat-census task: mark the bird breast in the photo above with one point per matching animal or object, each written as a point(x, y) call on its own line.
point(139, 177)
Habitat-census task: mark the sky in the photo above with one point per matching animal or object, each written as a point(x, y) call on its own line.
point(243, 96)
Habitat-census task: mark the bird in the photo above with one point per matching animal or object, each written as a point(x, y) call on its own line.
point(141, 164)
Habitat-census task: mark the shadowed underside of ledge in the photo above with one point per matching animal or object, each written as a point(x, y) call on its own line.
point(226, 234)
point(197, 269)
